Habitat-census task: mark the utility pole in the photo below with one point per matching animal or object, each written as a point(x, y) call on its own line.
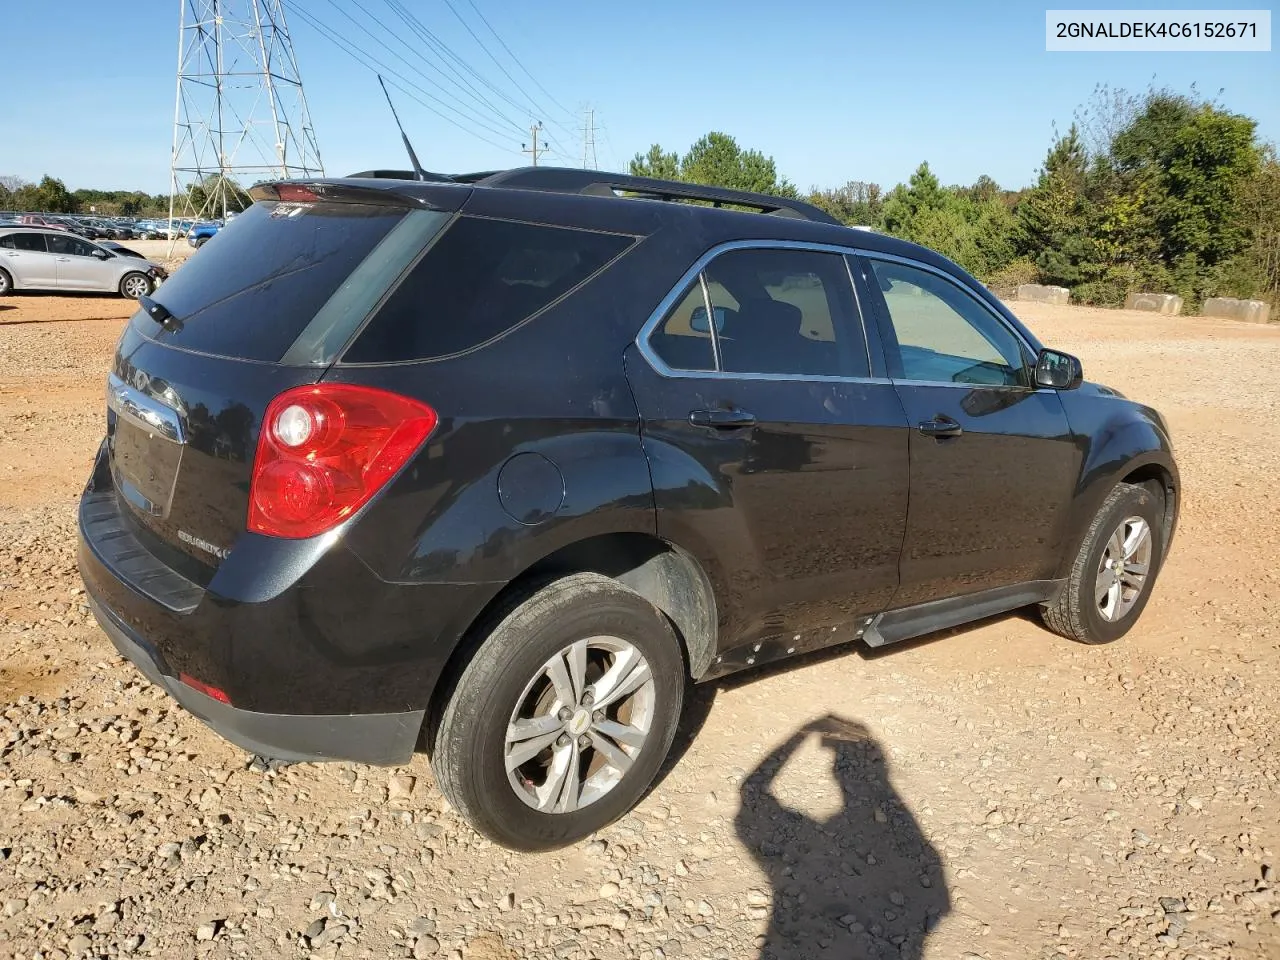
point(533, 150)
point(589, 141)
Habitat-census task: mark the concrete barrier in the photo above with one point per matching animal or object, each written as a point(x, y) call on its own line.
point(1042, 294)
point(1169, 304)
point(1253, 311)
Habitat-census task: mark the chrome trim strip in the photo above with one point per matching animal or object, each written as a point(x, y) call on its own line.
point(716, 358)
point(149, 414)
point(973, 386)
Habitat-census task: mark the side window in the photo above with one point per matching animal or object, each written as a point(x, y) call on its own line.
point(943, 334)
point(683, 338)
point(786, 312)
point(33, 242)
point(480, 279)
point(69, 246)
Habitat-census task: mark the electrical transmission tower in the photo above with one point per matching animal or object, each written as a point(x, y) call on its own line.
point(240, 115)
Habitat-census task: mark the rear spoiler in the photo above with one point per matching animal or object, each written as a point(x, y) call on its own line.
point(444, 194)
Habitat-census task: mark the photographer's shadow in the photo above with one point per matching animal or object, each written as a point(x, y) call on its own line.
point(864, 883)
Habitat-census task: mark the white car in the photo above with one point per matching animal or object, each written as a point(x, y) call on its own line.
point(33, 258)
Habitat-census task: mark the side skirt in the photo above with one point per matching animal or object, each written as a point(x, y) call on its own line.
point(915, 621)
point(888, 627)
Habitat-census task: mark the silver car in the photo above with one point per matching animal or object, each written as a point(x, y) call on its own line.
point(32, 258)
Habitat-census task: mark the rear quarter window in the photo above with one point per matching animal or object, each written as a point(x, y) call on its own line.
point(480, 279)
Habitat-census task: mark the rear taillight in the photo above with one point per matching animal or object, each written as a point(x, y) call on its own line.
point(324, 450)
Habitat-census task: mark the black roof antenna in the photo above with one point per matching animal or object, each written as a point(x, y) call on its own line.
point(413, 157)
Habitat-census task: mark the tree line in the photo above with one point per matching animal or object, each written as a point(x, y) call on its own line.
point(51, 195)
point(1160, 192)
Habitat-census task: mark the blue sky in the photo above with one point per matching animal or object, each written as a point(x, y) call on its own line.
point(833, 90)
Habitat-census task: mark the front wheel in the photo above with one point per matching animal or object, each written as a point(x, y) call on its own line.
point(1113, 574)
point(6, 283)
point(563, 716)
point(135, 285)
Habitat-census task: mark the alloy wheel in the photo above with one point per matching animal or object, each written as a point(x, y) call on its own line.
point(1123, 569)
point(579, 724)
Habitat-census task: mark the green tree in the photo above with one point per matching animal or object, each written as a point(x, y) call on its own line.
point(50, 195)
point(656, 163)
point(970, 225)
point(715, 160)
point(856, 203)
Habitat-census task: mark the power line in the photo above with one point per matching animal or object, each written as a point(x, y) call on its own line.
point(533, 106)
point(497, 37)
point(370, 62)
point(475, 94)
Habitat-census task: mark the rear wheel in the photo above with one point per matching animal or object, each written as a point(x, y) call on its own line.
point(135, 285)
point(563, 716)
point(1111, 579)
point(6, 283)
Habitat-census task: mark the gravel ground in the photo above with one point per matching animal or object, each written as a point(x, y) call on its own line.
point(994, 792)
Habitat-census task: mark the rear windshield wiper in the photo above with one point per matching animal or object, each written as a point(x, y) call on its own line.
point(160, 314)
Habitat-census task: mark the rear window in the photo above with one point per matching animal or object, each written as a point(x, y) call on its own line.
point(253, 288)
point(480, 279)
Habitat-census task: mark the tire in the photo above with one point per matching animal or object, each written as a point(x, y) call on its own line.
point(1081, 611)
point(6, 283)
point(201, 241)
point(131, 285)
point(470, 746)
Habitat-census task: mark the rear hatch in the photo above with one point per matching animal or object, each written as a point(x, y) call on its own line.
point(262, 307)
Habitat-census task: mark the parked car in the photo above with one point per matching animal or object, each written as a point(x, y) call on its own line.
point(36, 220)
point(497, 467)
point(43, 259)
point(201, 233)
point(120, 249)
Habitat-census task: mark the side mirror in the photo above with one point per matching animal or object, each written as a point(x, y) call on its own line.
point(101, 254)
point(1058, 371)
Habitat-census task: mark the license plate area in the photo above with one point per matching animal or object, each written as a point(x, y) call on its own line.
point(147, 442)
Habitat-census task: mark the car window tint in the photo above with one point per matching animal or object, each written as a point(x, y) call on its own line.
point(683, 339)
point(253, 292)
point(786, 312)
point(943, 334)
point(69, 246)
point(479, 280)
point(33, 242)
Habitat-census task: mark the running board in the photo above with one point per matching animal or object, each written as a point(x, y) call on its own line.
point(908, 622)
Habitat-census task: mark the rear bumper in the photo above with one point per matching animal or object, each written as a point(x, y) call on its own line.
point(377, 738)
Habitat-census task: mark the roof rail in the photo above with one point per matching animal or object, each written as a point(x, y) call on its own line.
point(603, 183)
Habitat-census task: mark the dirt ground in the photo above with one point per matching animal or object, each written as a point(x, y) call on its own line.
point(996, 792)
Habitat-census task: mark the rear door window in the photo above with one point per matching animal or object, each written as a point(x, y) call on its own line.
point(480, 279)
point(32, 242)
point(252, 293)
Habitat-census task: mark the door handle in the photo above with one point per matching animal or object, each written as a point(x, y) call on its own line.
point(64, 259)
point(722, 419)
point(940, 428)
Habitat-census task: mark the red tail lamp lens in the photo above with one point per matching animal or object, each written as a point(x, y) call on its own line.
point(325, 450)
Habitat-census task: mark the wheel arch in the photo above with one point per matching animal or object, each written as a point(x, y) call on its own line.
point(661, 572)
